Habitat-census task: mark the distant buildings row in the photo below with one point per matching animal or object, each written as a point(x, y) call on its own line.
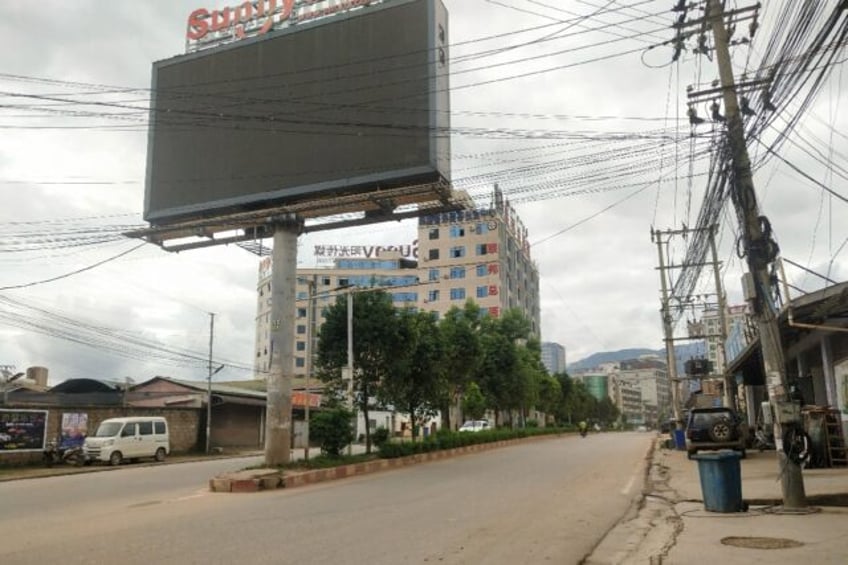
point(640, 388)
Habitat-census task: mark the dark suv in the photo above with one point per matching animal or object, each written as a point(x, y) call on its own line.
point(714, 428)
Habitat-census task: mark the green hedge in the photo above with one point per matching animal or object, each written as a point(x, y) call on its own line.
point(451, 440)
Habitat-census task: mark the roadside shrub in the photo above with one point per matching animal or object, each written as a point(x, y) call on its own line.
point(331, 429)
point(531, 424)
point(445, 439)
point(380, 436)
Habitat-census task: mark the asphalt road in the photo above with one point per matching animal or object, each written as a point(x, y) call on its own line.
point(544, 501)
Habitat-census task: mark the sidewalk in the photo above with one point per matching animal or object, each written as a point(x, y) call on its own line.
point(671, 526)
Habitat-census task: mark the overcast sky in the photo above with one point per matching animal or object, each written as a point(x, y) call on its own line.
point(578, 128)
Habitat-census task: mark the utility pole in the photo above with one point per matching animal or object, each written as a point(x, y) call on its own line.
point(209, 385)
point(310, 332)
point(281, 370)
point(729, 381)
point(760, 252)
point(350, 366)
point(668, 332)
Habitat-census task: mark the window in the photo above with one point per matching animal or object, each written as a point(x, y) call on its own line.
point(128, 431)
point(433, 296)
point(299, 362)
point(434, 233)
point(457, 294)
point(301, 329)
point(301, 312)
point(302, 295)
point(457, 231)
point(486, 248)
point(481, 228)
point(482, 291)
point(434, 275)
point(482, 270)
point(325, 281)
point(457, 273)
point(434, 254)
point(159, 427)
point(145, 428)
point(300, 346)
point(458, 251)
point(480, 248)
point(344, 282)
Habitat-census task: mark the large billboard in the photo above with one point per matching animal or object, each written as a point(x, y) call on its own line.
point(347, 104)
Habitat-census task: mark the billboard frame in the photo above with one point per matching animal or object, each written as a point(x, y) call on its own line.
point(377, 193)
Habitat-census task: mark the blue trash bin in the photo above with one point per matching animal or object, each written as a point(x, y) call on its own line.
point(721, 481)
point(679, 439)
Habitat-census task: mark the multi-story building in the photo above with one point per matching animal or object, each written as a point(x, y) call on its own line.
point(553, 357)
point(651, 377)
point(480, 254)
point(627, 396)
point(734, 315)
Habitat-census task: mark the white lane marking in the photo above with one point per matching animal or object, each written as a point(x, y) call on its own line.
point(626, 490)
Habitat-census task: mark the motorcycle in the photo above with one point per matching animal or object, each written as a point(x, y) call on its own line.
point(62, 452)
point(583, 432)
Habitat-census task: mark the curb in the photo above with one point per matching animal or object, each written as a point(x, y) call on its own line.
point(65, 470)
point(271, 479)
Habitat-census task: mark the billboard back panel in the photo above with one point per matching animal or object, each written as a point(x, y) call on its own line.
point(347, 105)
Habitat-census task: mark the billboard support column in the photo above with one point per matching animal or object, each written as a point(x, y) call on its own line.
point(278, 424)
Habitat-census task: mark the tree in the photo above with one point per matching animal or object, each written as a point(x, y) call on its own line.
point(507, 375)
point(550, 396)
point(331, 428)
point(377, 341)
point(416, 383)
point(473, 402)
point(462, 353)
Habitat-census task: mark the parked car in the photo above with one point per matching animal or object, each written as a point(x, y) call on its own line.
point(474, 426)
point(714, 428)
point(118, 439)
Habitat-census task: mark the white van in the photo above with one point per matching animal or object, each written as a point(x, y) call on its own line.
point(117, 439)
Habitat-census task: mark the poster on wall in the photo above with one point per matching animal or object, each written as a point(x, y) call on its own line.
point(23, 430)
point(74, 429)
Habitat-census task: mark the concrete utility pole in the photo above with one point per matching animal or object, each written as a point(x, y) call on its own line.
point(350, 365)
point(281, 370)
point(759, 251)
point(668, 331)
point(310, 333)
point(729, 381)
point(209, 385)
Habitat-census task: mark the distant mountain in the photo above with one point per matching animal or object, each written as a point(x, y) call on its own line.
point(597, 359)
point(683, 352)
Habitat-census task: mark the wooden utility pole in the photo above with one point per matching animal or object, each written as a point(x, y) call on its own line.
point(759, 254)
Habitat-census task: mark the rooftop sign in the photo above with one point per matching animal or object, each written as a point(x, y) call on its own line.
point(210, 28)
